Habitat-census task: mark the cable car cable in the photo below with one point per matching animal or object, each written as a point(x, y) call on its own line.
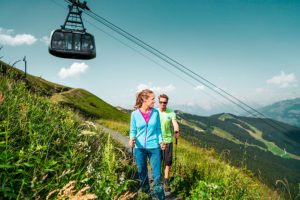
point(163, 57)
point(170, 59)
point(151, 49)
point(165, 68)
point(142, 54)
point(169, 62)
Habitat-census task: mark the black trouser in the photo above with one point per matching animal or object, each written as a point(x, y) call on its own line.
point(167, 154)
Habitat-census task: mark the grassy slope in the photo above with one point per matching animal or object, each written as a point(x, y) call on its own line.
point(36, 84)
point(256, 157)
point(204, 176)
point(90, 105)
point(83, 101)
point(44, 146)
point(209, 170)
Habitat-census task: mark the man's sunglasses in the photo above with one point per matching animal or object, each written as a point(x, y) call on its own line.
point(164, 102)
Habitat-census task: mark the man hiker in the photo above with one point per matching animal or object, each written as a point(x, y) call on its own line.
point(166, 116)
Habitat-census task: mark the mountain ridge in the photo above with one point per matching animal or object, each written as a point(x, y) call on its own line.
point(249, 141)
point(287, 111)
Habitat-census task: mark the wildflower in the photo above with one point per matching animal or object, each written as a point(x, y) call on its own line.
point(212, 186)
point(89, 169)
point(122, 178)
point(44, 177)
point(108, 190)
point(39, 147)
point(21, 152)
point(33, 181)
point(89, 133)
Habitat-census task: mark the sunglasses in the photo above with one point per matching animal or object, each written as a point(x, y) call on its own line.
point(164, 102)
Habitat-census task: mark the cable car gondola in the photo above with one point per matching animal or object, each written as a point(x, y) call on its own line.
point(72, 40)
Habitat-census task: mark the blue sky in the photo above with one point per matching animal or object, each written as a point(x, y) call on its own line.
point(249, 48)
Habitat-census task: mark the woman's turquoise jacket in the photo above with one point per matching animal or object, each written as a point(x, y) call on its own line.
point(146, 135)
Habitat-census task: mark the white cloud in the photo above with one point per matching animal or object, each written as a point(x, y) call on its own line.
point(190, 103)
point(260, 90)
point(45, 40)
point(75, 70)
point(6, 38)
point(283, 80)
point(156, 89)
point(205, 104)
point(199, 87)
point(6, 31)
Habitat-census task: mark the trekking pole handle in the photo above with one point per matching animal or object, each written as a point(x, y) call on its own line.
point(176, 132)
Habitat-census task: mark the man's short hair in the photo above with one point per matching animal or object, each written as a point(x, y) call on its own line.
point(163, 96)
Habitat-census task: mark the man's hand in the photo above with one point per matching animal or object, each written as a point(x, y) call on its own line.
point(177, 134)
point(132, 142)
point(163, 146)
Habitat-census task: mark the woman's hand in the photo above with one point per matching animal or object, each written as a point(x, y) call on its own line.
point(132, 142)
point(163, 146)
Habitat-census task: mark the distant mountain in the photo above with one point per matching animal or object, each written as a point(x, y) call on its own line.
point(287, 111)
point(259, 144)
point(201, 110)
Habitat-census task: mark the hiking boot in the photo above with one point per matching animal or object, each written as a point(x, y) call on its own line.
point(158, 190)
point(166, 185)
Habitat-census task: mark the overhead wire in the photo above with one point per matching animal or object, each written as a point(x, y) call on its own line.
point(169, 60)
point(173, 60)
point(160, 55)
point(188, 72)
point(152, 60)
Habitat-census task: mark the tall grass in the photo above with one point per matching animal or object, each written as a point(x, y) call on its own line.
point(44, 146)
point(201, 174)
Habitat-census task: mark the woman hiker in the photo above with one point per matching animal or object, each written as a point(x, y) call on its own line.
point(146, 137)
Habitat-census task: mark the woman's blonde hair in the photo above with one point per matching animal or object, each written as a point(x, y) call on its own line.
point(141, 97)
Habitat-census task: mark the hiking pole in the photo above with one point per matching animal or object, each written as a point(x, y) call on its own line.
point(163, 161)
point(132, 150)
point(176, 132)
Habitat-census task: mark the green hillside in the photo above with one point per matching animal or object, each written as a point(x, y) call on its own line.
point(44, 145)
point(82, 101)
point(272, 155)
point(90, 105)
point(35, 84)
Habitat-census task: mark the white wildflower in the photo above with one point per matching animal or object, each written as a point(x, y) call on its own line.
point(122, 178)
point(89, 133)
point(108, 190)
